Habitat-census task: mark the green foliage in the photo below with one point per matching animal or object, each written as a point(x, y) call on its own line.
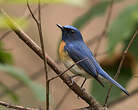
point(20, 21)
point(125, 76)
point(123, 26)
point(5, 57)
point(20, 75)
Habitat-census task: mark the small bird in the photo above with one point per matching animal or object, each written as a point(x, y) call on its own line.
point(73, 49)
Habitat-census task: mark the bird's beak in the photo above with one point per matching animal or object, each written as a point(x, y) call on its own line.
point(59, 26)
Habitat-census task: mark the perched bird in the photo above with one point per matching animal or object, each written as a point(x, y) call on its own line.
point(73, 49)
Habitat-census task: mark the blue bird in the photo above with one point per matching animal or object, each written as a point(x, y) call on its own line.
point(73, 49)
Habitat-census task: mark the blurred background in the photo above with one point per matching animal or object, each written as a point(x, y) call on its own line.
point(107, 27)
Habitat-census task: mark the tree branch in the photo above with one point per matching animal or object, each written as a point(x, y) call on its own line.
point(75, 88)
point(39, 26)
point(17, 107)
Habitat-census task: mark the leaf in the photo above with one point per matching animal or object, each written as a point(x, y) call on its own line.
point(20, 21)
point(9, 92)
point(72, 2)
point(5, 57)
point(20, 75)
point(111, 67)
point(123, 26)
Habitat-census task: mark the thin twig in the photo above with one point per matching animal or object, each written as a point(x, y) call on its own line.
point(31, 12)
point(104, 32)
point(68, 69)
point(16, 107)
point(88, 108)
point(120, 65)
point(43, 51)
point(38, 22)
point(73, 86)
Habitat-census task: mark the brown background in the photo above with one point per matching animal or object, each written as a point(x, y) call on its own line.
point(26, 59)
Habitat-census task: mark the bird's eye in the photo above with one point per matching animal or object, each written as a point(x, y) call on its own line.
point(72, 31)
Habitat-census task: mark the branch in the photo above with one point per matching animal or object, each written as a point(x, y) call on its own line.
point(120, 65)
point(38, 22)
point(89, 108)
point(82, 94)
point(17, 107)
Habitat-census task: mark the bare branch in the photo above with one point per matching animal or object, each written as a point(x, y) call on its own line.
point(17, 107)
point(38, 22)
point(89, 108)
point(73, 86)
point(31, 12)
point(120, 65)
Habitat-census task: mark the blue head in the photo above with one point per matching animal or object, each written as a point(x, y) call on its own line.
point(70, 33)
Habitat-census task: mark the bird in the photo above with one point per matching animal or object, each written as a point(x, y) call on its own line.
point(73, 50)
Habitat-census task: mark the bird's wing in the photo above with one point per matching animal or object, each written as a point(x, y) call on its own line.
point(78, 54)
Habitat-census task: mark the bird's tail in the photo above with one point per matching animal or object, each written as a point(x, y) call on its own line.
point(109, 78)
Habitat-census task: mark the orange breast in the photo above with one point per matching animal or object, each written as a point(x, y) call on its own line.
point(62, 53)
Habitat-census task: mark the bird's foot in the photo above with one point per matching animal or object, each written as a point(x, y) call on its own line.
point(71, 77)
point(72, 81)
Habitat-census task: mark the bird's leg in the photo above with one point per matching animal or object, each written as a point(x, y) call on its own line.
point(83, 82)
point(73, 76)
point(83, 85)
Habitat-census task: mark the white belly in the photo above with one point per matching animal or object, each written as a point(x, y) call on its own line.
point(75, 69)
